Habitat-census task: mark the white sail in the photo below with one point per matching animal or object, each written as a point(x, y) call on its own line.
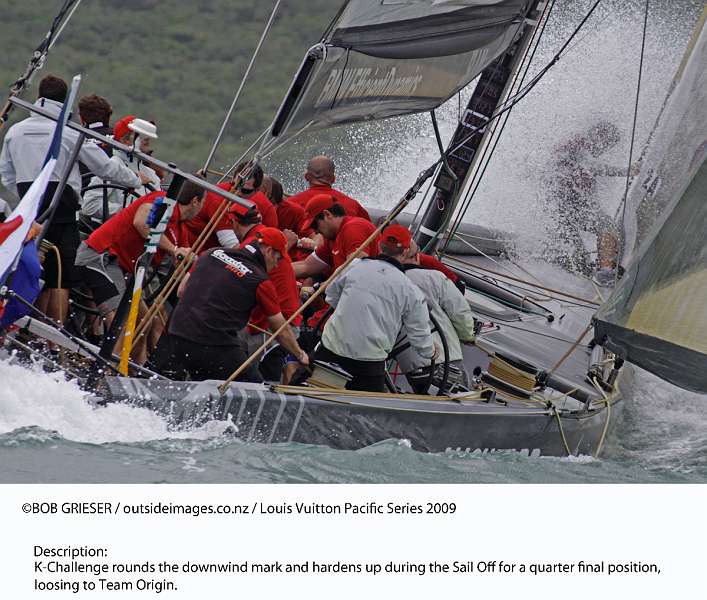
point(657, 315)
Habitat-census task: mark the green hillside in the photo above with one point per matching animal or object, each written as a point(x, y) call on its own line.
point(175, 61)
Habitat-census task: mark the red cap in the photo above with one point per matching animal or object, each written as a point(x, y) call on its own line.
point(121, 127)
point(243, 215)
point(269, 236)
point(397, 235)
point(315, 206)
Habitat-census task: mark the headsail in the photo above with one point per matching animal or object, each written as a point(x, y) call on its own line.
point(385, 58)
point(657, 316)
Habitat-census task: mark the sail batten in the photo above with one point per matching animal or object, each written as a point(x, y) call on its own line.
point(382, 59)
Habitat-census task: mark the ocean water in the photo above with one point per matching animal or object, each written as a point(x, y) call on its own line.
point(49, 433)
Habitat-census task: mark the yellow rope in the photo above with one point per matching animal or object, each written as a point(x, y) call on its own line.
point(608, 416)
point(295, 389)
point(562, 431)
point(504, 371)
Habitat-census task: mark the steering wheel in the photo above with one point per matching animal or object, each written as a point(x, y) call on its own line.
point(127, 192)
point(445, 347)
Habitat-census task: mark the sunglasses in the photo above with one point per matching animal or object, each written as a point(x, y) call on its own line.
point(247, 191)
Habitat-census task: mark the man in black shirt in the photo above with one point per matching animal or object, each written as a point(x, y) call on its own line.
point(215, 303)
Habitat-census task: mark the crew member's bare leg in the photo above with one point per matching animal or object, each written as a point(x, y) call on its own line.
point(54, 303)
point(607, 250)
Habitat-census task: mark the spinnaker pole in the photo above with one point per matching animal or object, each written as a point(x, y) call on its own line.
point(462, 154)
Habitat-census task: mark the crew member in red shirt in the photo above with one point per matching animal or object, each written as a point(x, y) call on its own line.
point(223, 234)
point(215, 304)
point(342, 234)
point(320, 176)
point(247, 227)
point(290, 215)
point(109, 254)
point(111, 251)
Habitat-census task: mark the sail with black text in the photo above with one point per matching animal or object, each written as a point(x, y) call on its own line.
point(385, 58)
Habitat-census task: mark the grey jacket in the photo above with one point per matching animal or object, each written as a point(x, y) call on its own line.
point(26, 144)
point(373, 301)
point(92, 204)
point(450, 309)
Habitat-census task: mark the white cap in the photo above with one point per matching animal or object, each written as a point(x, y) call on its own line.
point(143, 128)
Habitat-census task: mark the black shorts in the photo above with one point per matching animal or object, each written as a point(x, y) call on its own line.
point(179, 358)
point(65, 236)
point(366, 375)
point(103, 276)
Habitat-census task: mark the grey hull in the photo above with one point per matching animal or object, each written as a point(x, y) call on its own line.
point(264, 416)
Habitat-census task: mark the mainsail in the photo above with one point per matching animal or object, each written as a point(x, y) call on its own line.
point(657, 316)
point(385, 58)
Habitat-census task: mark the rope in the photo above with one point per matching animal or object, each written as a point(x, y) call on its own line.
point(491, 259)
point(59, 275)
point(545, 335)
point(448, 170)
point(572, 348)
point(622, 206)
point(341, 394)
point(404, 201)
point(600, 445)
point(541, 287)
point(414, 228)
point(322, 391)
point(562, 431)
point(242, 84)
point(180, 271)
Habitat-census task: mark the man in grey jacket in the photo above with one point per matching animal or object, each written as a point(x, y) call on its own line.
point(373, 300)
point(21, 160)
point(449, 308)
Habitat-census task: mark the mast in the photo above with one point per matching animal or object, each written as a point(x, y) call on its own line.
point(462, 154)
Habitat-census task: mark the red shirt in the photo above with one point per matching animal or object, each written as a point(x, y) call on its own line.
point(353, 232)
point(283, 278)
point(119, 236)
point(211, 204)
point(430, 262)
point(266, 299)
point(290, 215)
point(351, 206)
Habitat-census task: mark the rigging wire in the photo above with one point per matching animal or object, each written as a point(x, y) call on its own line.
point(226, 119)
point(513, 100)
point(242, 157)
point(489, 151)
point(622, 206)
point(64, 24)
point(39, 55)
point(413, 226)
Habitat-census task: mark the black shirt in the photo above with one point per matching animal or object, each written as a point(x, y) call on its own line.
point(223, 289)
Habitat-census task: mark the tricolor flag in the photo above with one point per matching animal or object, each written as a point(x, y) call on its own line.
point(13, 232)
